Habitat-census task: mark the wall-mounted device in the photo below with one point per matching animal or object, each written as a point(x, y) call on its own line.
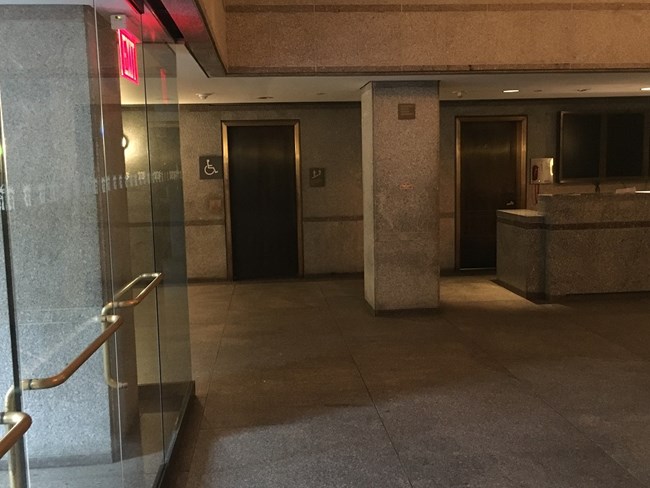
point(541, 171)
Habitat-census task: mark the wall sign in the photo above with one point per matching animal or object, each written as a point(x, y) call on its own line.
point(405, 111)
point(316, 177)
point(128, 55)
point(211, 167)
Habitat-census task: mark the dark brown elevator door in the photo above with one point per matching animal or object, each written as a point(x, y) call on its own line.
point(488, 181)
point(263, 208)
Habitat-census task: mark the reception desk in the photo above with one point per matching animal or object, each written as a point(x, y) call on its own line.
point(576, 244)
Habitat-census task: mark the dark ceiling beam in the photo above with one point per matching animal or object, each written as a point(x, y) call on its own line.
point(190, 21)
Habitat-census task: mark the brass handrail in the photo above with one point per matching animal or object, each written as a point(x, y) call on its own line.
point(20, 423)
point(114, 321)
point(17, 461)
point(155, 279)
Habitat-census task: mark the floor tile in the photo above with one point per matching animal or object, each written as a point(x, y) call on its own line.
point(342, 288)
point(461, 289)
point(336, 447)
point(277, 296)
point(491, 433)
point(302, 385)
point(629, 330)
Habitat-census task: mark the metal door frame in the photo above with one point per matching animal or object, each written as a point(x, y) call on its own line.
point(226, 184)
point(521, 136)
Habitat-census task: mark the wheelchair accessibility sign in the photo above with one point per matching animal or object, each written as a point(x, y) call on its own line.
point(211, 167)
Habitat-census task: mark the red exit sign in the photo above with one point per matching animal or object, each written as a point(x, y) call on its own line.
point(128, 55)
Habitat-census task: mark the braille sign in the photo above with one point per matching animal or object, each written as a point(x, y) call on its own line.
point(316, 177)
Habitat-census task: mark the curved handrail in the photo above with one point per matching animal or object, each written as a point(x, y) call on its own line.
point(114, 321)
point(20, 423)
point(155, 278)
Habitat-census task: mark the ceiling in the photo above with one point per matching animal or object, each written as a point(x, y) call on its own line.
point(474, 86)
point(465, 86)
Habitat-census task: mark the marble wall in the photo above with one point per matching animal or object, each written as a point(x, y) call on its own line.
point(330, 138)
point(335, 245)
point(543, 120)
point(576, 244)
point(597, 243)
point(521, 247)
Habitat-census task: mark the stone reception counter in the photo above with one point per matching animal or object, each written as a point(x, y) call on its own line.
point(576, 244)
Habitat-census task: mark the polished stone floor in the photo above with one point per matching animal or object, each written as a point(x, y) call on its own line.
point(299, 385)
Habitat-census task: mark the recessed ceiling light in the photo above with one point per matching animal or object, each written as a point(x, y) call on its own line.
point(511, 91)
point(646, 88)
point(204, 96)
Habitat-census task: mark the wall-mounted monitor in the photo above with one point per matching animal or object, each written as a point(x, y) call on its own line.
point(599, 146)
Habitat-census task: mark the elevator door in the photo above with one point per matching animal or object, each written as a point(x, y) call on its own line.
point(490, 160)
point(263, 201)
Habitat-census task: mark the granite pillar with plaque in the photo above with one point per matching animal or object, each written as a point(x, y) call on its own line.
point(400, 141)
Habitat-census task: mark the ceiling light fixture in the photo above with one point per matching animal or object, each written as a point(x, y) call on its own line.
point(511, 91)
point(645, 88)
point(203, 96)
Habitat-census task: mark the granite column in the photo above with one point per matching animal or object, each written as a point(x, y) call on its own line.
point(400, 145)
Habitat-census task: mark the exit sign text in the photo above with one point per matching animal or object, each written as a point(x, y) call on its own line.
point(128, 56)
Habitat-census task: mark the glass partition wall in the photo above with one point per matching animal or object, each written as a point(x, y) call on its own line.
point(92, 207)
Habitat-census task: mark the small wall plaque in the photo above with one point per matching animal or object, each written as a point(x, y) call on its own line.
point(316, 177)
point(211, 167)
point(405, 111)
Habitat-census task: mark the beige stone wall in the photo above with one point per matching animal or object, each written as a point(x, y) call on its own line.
point(275, 36)
point(330, 138)
point(542, 124)
point(333, 227)
point(596, 243)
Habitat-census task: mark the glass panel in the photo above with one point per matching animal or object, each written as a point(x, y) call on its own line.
point(169, 233)
point(93, 199)
point(580, 146)
point(9, 370)
point(80, 201)
point(624, 153)
point(133, 255)
point(58, 199)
